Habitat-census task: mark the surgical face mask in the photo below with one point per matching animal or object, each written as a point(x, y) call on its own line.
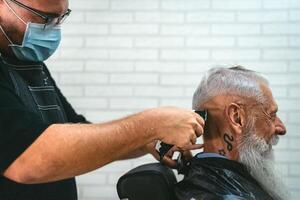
point(38, 43)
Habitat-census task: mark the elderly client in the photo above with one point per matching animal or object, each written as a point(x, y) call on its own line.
point(242, 127)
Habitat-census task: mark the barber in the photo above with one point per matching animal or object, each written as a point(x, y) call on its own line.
point(44, 143)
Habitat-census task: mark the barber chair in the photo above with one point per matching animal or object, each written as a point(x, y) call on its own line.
point(147, 182)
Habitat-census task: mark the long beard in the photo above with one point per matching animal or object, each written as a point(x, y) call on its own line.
point(258, 156)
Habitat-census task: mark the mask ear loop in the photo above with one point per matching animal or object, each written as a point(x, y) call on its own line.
point(12, 10)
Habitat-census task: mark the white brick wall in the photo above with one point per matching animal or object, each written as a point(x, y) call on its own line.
point(121, 56)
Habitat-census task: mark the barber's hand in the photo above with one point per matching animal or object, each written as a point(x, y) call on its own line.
point(176, 126)
point(167, 159)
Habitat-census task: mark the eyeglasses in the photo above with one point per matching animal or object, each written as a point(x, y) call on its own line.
point(50, 19)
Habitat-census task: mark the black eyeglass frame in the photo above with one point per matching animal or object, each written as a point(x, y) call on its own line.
point(49, 18)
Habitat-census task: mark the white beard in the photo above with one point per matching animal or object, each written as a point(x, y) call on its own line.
point(258, 156)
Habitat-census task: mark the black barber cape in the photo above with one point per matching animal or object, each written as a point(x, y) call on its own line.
point(29, 102)
point(214, 178)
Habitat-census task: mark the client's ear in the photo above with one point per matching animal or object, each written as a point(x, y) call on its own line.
point(236, 116)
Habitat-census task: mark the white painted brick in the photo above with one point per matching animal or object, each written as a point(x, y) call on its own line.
point(189, 91)
point(155, 91)
point(263, 16)
point(267, 66)
point(198, 67)
point(109, 66)
point(108, 91)
point(282, 144)
point(91, 178)
point(90, 103)
point(178, 5)
point(293, 130)
point(293, 183)
point(181, 79)
point(84, 53)
point(235, 29)
point(236, 4)
point(75, 17)
point(134, 54)
point(184, 54)
point(294, 169)
point(72, 91)
point(108, 42)
point(294, 41)
point(133, 103)
point(294, 117)
point(294, 66)
point(159, 17)
point(288, 105)
point(65, 66)
point(103, 115)
point(134, 4)
point(149, 66)
point(185, 29)
point(294, 143)
point(83, 78)
point(294, 92)
point(137, 78)
point(295, 194)
point(294, 15)
point(99, 191)
point(210, 41)
point(235, 54)
point(72, 42)
point(159, 42)
point(183, 103)
point(263, 41)
point(276, 4)
point(287, 156)
point(281, 54)
point(281, 28)
point(84, 29)
point(118, 166)
point(279, 92)
point(210, 17)
point(109, 17)
point(89, 5)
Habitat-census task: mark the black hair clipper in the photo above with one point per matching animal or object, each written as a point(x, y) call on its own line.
point(163, 148)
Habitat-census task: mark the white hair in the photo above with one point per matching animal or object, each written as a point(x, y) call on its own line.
point(232, 81)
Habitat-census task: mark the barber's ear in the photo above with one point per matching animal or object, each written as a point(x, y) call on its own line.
point(236, 116)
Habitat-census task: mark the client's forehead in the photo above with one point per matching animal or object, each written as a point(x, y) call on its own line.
point(270, 104)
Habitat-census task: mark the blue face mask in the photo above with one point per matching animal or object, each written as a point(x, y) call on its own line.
point(38, 43)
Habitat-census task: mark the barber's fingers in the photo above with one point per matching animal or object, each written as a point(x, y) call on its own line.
point(169, 162)
point(199, 119)
point(192, 147)
point(198, 125)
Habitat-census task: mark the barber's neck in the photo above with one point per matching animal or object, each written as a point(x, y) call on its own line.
point(221, 140)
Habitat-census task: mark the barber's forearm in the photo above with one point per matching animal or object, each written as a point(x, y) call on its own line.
point(64, 151)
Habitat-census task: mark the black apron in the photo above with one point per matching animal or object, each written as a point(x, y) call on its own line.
point(33, 85)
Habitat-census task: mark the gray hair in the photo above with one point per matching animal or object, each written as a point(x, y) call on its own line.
point(235, 80)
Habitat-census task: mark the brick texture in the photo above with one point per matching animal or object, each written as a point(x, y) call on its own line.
point(121, 56)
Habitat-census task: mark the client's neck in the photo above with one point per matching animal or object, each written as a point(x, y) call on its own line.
point(220, 140)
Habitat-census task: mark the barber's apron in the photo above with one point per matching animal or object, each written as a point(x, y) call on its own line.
point(37, 91)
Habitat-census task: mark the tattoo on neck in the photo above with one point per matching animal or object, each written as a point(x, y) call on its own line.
point(228, 139)
point(222, 152)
